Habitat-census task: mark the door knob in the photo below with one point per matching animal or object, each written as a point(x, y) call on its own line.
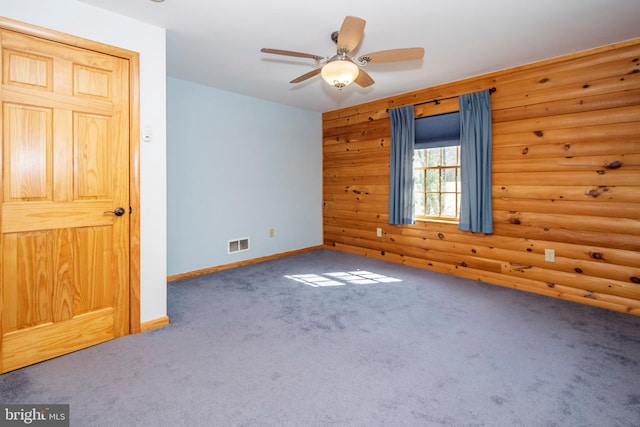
point(116, 211)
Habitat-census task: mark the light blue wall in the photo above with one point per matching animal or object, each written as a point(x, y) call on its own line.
point(238, 166)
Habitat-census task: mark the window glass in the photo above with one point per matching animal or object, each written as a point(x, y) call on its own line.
point(419, 180)
point(450, 180)
point(434, 157)
point(450, 155)
point(433, 205)
point(420, 158)
point(449, 208)
point(432, 177)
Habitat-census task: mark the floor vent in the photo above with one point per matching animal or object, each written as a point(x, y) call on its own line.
point(238, 245)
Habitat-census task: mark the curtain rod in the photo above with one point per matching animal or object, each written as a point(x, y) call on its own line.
point(437, 101)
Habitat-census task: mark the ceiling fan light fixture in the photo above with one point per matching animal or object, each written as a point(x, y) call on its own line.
point(340, 72)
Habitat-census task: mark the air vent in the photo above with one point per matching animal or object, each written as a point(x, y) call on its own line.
point(238, 245)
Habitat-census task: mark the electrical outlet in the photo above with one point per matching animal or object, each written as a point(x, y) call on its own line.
point(379, 232)
point(272, 232)
point(550, 255)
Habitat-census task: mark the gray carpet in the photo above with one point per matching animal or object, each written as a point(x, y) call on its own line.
point(251, 347)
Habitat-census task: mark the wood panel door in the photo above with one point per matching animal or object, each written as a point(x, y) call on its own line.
point(65, 168)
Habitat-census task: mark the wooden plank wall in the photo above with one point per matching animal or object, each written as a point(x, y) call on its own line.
point(566, 176)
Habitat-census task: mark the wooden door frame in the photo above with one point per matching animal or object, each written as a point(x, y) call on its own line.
point(134, 144)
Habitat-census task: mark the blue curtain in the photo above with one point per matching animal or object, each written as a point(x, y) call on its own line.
point(475, 162)
point(401, 167)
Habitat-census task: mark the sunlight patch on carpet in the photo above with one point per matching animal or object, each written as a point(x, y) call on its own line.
point(341, 278)
point(314, 280)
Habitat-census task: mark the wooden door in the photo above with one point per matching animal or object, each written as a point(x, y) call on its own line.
point(65, 169)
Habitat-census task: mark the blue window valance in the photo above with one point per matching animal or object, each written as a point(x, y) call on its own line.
point(442, 130)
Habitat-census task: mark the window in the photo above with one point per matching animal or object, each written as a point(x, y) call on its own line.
point(436, 183)
point(436, 167)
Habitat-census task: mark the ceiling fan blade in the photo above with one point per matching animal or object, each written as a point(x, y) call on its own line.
point(363, 79)
point(291, 53)
point(350, 33)
point(306, 75)
point(393, 55)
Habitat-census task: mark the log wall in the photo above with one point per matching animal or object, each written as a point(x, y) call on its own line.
point(566, 176)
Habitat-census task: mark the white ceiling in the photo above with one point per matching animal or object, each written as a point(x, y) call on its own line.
point(218, 43)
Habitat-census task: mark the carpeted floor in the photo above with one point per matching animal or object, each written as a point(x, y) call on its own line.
point(253, 347)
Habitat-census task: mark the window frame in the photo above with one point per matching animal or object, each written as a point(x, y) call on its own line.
point(423, 194)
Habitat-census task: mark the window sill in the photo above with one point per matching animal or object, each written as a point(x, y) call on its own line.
point(440, 221)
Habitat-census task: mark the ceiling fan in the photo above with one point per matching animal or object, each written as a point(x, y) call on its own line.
point(342, 69)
